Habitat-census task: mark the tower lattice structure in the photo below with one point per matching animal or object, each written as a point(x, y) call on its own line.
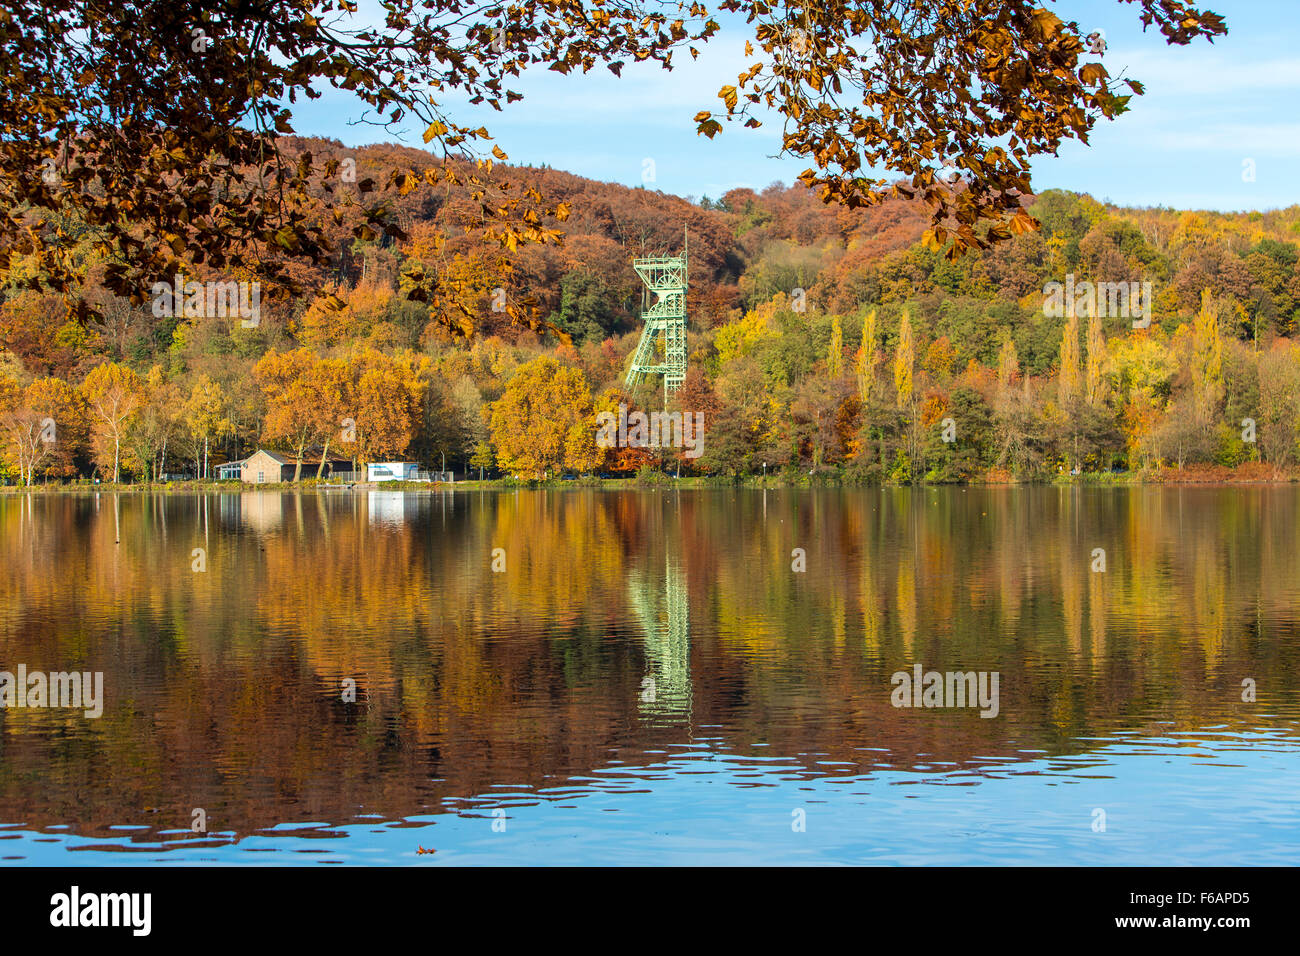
point(662, 349)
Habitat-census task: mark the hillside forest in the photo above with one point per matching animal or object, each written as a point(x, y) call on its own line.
point(823, 341)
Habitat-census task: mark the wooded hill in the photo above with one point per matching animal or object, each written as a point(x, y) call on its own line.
point(784, 292)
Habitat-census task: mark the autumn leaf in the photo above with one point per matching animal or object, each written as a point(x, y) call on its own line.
point(1092, 73)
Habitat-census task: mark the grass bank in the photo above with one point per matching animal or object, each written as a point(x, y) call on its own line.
point(1250, 473)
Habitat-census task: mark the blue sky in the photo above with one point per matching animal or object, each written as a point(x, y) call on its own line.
point(1207, 110)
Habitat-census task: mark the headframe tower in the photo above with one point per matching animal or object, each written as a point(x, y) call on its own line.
point(666, 278)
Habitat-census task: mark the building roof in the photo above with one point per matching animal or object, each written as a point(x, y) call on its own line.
point(273, 455)
point(309, 456)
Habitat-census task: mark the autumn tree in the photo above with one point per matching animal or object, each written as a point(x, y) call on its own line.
point(386, 399)
point(1008, 366)
point(206, 417)
point(305, 397)
point(545, 420)
point(835, 350)
point(1279, 399)
point(940, 357)
point(867, 358)
point(23, 431)
point(42, 427)
point(1207, 359)
point(341, 316)
point(156, 424)
point(1068, 382)
point(483, 458)
point(1094, 379)
point(114, 395)
point(63, 414)
point(904, 363)
point(471, 430)
point(1014, 424)
point(1142, 372)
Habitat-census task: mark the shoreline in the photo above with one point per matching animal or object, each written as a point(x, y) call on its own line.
point(1218, 476)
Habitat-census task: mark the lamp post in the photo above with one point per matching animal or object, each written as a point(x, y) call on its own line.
point(765, 471)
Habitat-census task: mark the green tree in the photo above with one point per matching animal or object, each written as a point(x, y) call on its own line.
point(587, 310)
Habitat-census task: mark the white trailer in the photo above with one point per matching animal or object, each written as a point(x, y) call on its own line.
point(391, 471)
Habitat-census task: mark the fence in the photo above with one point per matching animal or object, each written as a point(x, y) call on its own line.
point(429, 476)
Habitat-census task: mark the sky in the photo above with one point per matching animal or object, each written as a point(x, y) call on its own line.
point(1218, 126)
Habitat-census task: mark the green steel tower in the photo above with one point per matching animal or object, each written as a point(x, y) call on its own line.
point(666, 278)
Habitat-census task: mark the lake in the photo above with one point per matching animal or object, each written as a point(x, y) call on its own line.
point(703, 676)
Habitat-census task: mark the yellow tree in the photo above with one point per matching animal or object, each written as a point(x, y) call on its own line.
point(343, 315)
point(835, 352)
point(156, 423)
point(1095, 385)
point(581, 454)
point(330, 383)
point(1008, 365)
point(904, 360)
point(867, 357)
point(1207, 358)
point(20, 429)
point(64, 425)
point(206, 416)
point(1069, 376)
point(1142, 368)
point(532, 423)
point(45, 420)
point(114, 395)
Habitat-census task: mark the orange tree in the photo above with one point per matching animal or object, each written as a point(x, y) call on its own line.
point(387, 400)
point(306, 400)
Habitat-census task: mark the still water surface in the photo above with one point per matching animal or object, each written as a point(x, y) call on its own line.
point(648, 680)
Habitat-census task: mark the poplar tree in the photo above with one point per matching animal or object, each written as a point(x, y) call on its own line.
point(904, 359)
